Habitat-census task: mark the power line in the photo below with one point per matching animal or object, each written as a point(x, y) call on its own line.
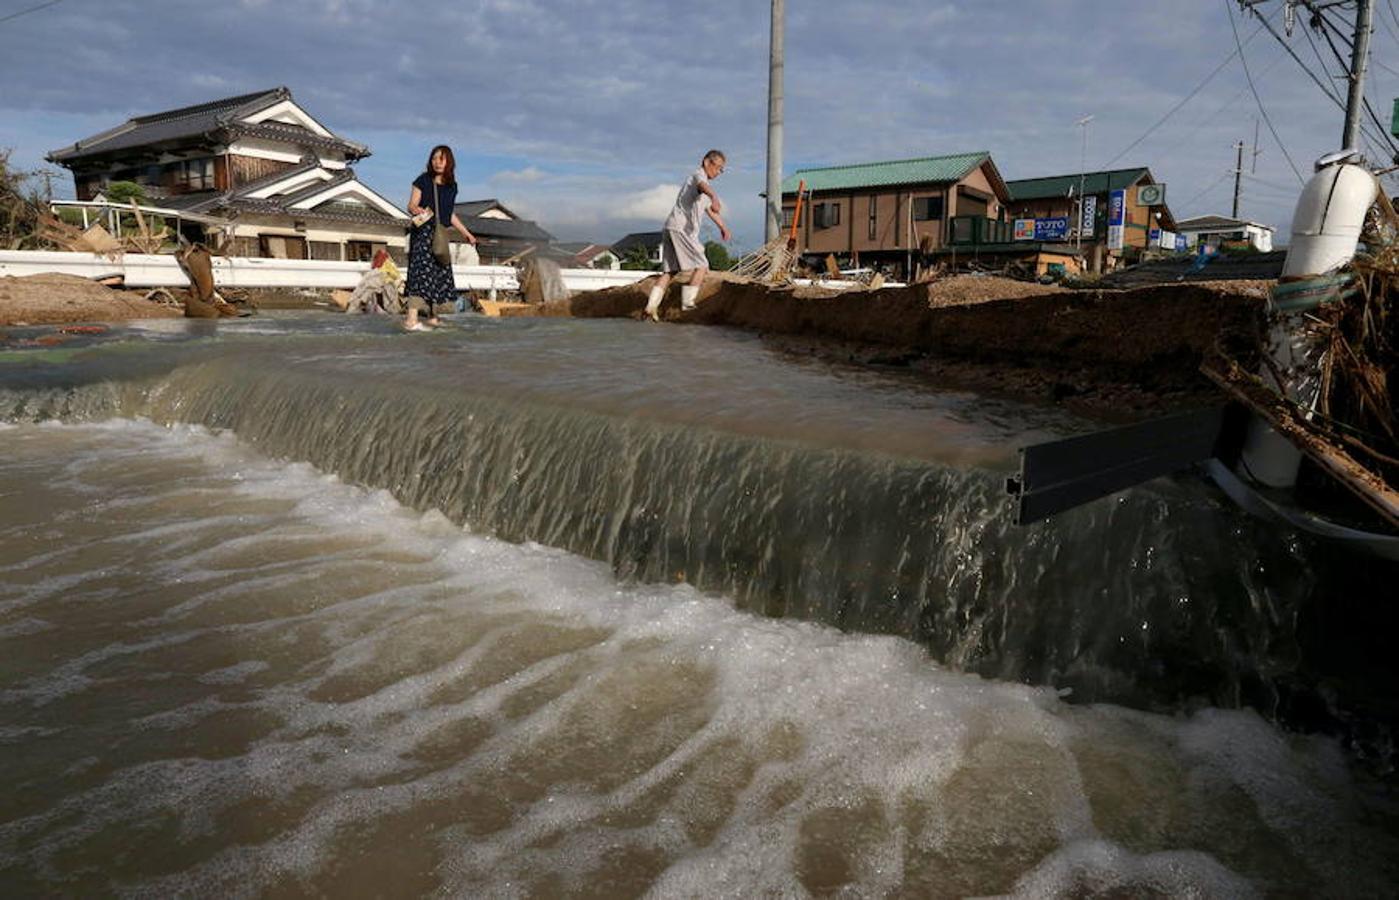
point(1279, 187)
point(1230, 102)
point(1208, 78)
point(1217, 183)
point(1324, 89)
point(1234, 26)
point(25, 12)
point(1327, 27)
point(1316, 51)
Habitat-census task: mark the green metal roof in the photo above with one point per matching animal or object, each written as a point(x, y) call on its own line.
point(1059, 185)
point(877, 174)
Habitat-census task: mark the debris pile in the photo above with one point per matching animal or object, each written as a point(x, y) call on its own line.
point(56, 299)
point(1351, 432)
point(19, 211)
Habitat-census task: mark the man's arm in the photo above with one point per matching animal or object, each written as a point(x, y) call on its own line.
point(714, 204)
point(719, 220)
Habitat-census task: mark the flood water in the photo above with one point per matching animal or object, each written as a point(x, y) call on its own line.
point(302, 605)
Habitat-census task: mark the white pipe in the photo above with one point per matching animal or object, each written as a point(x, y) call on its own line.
point(1326, 228)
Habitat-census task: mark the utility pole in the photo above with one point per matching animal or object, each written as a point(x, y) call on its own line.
point(1238, 175)
point(1253, 163)
point(773, 226)
point(48, 175)
point(1359, 58)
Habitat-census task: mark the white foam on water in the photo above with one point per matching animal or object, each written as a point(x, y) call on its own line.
point(399, 699)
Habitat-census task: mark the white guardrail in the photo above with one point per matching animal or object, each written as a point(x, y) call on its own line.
point(142, 270)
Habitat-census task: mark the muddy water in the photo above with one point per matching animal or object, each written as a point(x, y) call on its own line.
point(226, 670)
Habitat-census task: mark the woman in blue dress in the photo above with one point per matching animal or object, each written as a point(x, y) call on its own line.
point(434, 191)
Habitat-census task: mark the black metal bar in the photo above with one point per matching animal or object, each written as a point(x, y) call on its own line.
point(1059, 475)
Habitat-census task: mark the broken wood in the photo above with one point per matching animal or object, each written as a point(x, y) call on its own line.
point(1288, 421)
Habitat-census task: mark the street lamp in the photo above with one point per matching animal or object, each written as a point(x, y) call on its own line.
point(1082, 177)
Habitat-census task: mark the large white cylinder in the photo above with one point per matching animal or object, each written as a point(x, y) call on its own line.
point(1326, 228)
point(1329, 217)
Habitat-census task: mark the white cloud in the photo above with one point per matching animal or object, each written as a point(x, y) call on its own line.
point(653, 203)
point(526, 175)
point(524, 87)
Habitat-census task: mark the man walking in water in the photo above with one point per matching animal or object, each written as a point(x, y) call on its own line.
point(681, 250)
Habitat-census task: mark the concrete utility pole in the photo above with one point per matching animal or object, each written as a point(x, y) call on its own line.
point(1082, 177)
point(1359, 58)
point(773, 226)
point(1238, 174)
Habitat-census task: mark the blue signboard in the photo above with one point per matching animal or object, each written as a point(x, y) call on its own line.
point(1181, 245)
point(1090, 214)
point(1117, 219)
point(1056, 229)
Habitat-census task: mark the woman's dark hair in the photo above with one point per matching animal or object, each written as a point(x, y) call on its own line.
point(449, 174)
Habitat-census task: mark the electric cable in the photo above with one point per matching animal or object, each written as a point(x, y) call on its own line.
point(1326, 32)
point(1324, 89)
point(1199, 87)
point(1212, 186)
point(1230, 102)
point(1234, 26)
point(25, 12)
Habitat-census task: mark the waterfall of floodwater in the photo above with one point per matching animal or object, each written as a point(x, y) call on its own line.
point(551, 286)
point(240, 616)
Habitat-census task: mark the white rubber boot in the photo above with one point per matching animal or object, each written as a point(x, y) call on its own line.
point(653, 303)
point(688, 293)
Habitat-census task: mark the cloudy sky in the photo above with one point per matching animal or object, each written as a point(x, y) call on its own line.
point(585, 115)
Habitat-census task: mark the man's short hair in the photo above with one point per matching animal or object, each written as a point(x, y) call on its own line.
point(714, 155)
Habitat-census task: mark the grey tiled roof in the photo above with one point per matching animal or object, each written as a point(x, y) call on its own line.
point(368, 215)
point(650, 240)
point(512, 229)
point(313, 189)
point(238, 201)
point(196, 202)
point(217, 117)
point(476, 207)
point(1202, 223)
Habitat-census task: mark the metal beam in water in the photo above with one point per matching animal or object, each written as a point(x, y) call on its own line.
point(1059, 475)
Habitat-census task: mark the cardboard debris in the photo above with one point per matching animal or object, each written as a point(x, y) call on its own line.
point(97, 239)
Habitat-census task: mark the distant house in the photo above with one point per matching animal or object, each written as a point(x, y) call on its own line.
point(1223, 231)
point(886, 212)
point(259, 159)
point(1057, 197)
point(502, 235)
point(650, 241)
point(590, 256)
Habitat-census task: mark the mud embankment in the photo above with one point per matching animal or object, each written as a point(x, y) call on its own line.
point(1123, 351)
point(61, 299)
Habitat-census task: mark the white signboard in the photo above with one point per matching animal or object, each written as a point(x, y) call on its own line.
point(1151, 195)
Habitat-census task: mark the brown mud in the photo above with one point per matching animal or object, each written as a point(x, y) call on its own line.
point(62, 299)
point(1114, 353)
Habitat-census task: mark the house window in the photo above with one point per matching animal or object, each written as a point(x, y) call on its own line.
point(927, 209)
point(788, 213)
point(194, 174)
point(874, 217)
point(826, 215)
